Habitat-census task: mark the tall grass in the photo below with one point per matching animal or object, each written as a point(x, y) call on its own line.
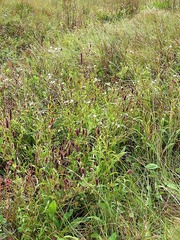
point(89, 119)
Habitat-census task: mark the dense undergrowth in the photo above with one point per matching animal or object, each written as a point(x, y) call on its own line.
point(89, 119)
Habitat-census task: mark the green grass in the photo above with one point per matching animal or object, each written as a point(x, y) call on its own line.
point(89, 120)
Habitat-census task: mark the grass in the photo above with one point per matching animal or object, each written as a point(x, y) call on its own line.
point(89, 120)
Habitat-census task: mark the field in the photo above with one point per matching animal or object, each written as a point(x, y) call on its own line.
point(89, 119)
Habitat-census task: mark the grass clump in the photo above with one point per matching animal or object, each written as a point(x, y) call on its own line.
point(89, 120)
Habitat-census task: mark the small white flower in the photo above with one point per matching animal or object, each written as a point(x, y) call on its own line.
point(49, 76)
point(52, 82)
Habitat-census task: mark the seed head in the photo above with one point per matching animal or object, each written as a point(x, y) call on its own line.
point(97, 182)
point(7, 123)
point(10, 114)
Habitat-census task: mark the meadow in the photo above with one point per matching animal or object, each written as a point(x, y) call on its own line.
point(89, 119)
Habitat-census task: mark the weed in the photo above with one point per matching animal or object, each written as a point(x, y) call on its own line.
point(89, 119)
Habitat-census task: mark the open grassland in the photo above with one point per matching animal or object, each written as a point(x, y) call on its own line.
point(89, 119)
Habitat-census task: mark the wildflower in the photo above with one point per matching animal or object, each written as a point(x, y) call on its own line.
point(129, 171)
point(98, 131)
point(108, 84)
point(52, 82)
point(10, 114)
point(83, 172)
point(49, 76)
point(7, 123)
point(97, 182)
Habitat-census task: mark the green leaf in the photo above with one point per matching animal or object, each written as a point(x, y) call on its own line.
point(172, 186)
point(113, 236)
point(67, 215)
point(52, 207)
point(95, 218)
point(177, 170)
point(78, 221)
point(151, 166)
point(1, 140)
point(123, 152)
point(96, 236)
point(68, 237)
point(2, 219)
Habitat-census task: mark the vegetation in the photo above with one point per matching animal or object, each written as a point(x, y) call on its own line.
point(89, 119)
